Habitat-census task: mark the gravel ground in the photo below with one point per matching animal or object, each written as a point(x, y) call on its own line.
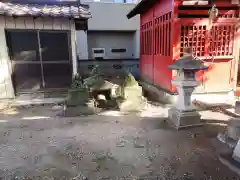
point(35, 143)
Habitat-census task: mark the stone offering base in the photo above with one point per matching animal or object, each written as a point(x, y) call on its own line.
point(234, 129)
point(72, 111)
point(180, 119)
point(101, 92)
point(224, 138)
point(231, 163)
point(232, 134)
point(133, 100)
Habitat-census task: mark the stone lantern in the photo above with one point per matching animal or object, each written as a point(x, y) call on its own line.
point(184, 114)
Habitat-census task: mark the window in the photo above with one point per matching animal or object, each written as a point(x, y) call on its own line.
point(146, 38)
point(121, 50)
point(162, 33)
point(131, 1)
point(99, 51)
point(125, 1)
point(119, 1)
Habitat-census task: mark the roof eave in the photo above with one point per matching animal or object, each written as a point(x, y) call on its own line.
point(35, 10)
point(141, 7)
point(134, 11)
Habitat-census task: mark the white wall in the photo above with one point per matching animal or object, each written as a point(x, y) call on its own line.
point(82, 44)
point(111, 16)
point(6, 88)
point(137, 43)
point(112, 39)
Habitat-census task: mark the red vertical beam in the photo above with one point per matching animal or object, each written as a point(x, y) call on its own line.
point(175, 36)
point(163, 35)
point(141, 43)
point(236, 57)
point(143, 38)
point(217, 40)
point(146, 44)
point(152, 40)
point(221, 41)
point(167, 30)
point(234, 64)
point(147, 39)
point(160, 35)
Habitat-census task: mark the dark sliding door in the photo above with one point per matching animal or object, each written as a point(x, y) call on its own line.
point(41, 60)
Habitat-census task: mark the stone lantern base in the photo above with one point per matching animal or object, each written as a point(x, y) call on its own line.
point(182, 119)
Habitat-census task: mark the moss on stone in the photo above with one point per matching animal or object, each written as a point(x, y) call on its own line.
point(130, 80)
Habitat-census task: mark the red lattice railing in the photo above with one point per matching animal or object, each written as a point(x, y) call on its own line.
point(162, 34)
point(219, 42)
point(195, 37)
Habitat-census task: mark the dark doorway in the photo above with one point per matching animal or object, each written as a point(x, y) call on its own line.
point(41, 60)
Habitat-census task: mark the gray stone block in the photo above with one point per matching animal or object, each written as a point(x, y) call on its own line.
point(233, 130)
point(180, 119)
point(77, 97)
point(131, 92)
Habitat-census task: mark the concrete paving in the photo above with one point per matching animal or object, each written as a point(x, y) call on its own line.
point(36, 143)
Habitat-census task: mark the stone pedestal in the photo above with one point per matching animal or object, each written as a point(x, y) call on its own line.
point(78, 103)
point(80, 110)
point(232, 134)
point(236, 152)
point(232, 161)
point(184, 114)
point(233, 130)
point(182, 119)
point(133, 99)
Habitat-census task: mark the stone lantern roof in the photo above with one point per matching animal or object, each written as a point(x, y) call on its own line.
point(188, 62)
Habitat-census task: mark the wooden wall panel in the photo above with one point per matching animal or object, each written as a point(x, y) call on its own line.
point(9, 22)
point(20, 23)
point(48, 23)
point(29, 23)
point(57, 23)
point(39, 23)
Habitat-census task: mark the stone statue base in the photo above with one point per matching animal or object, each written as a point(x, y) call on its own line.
point(232, 134)
point(232, 161)
point(183, 119)
point(233, 130)
point(236, 152)
point(81, 110)
point(133, 100)
point(79, 103)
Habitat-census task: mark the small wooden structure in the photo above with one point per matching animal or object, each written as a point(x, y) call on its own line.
point(38, 45)
point(168, 26)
